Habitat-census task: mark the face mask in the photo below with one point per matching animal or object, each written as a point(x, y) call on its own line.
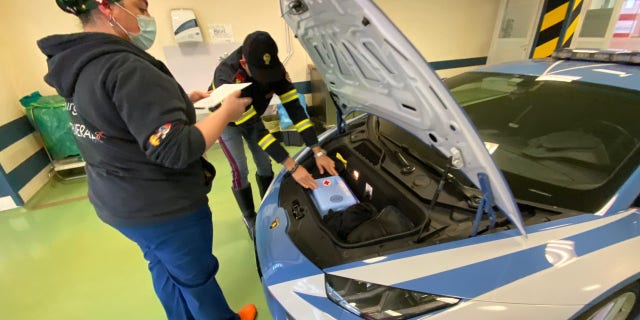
point(148, 29)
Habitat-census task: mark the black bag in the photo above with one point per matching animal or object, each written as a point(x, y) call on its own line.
point(388, 222)
point(343, 222)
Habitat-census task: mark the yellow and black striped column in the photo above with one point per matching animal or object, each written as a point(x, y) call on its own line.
point(571, 23)
point(557, 24)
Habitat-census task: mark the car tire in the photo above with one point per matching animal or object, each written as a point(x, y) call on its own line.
point(624, 304)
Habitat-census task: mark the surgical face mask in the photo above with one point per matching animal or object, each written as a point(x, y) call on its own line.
point(144, 40)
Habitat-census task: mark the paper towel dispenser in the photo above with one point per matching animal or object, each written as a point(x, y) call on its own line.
point(185, 26)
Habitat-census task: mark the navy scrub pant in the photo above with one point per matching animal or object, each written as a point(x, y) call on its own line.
point(183, 267)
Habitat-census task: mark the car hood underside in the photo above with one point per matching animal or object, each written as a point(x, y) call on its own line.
point(369, 66)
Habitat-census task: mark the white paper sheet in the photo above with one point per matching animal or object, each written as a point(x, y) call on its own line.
point(219, 94)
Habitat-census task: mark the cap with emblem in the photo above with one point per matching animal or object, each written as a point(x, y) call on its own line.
point(261, 53)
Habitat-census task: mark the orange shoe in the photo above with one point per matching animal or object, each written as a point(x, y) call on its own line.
point(248, 312)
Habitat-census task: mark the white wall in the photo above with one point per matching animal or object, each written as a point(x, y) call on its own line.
point(445, 30)
point(22, 70)
point(441, 30)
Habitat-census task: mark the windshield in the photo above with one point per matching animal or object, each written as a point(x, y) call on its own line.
point(566, 144)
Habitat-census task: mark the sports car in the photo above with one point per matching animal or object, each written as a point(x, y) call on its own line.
point(506, 192)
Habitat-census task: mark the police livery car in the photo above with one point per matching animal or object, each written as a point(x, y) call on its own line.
point(506, 192)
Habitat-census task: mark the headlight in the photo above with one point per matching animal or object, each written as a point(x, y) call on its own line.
point(374, 301)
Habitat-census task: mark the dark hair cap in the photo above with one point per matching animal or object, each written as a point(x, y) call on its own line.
point(78, 7)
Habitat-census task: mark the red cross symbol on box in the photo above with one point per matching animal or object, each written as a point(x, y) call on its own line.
point(326, 183)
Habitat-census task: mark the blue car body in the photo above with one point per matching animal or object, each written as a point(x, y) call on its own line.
point(580, 256)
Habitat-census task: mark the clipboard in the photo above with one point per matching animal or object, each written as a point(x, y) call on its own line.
point(219, 94)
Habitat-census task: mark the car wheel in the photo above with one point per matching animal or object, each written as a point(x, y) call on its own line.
point(622, 305)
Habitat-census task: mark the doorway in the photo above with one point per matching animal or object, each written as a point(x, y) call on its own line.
point(514, 33)
point(609, 24)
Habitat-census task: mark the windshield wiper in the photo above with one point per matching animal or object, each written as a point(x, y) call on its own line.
point(406, 168)
point(470, 192)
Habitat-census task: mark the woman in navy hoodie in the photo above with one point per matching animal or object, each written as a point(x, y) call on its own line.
point(137, 132)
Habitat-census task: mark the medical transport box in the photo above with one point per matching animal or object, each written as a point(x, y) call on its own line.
point(332, 194)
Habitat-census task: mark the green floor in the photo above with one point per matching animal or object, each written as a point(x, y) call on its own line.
point(59, 261)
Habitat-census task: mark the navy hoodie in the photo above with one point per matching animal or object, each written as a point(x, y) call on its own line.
point(134, 127)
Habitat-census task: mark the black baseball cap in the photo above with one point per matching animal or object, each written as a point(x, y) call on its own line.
point(261, 53)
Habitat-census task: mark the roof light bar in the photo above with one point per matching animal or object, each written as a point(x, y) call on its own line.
point(617, 56)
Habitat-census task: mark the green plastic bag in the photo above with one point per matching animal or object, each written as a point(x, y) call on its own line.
point(49, 116)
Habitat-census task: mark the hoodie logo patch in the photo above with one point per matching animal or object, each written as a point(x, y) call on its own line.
point(240, 78)
point(156, 138)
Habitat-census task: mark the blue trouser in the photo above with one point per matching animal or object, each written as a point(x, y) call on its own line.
point(233, 148)
point(182, 266)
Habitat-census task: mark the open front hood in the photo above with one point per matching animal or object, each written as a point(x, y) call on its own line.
point(369, 66)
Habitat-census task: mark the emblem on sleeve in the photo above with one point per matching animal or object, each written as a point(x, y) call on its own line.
point(156, 138)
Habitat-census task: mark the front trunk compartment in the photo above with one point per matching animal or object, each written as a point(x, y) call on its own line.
point(377, 175)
